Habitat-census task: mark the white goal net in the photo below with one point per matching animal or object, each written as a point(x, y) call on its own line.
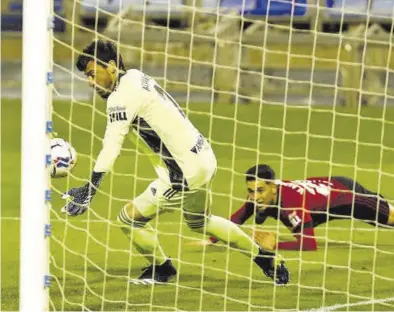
point(305, 86)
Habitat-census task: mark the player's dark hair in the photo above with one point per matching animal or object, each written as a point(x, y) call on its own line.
point(260, 172)
point(103, 52)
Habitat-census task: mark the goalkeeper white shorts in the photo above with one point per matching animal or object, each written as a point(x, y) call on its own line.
point(160, 197)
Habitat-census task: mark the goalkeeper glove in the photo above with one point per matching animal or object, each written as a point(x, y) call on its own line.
point(82, 196)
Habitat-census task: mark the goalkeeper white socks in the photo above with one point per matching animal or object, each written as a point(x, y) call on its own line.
point(146, 241)
point(229, 232)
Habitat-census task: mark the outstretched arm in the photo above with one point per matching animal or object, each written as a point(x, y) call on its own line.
point(239, 217)
point(119, 119)
point(305, 240)
point(82, 196)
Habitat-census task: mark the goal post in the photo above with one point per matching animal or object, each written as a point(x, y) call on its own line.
point(35, 186)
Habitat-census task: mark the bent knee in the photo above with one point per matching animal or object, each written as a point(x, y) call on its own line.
point(130, 215)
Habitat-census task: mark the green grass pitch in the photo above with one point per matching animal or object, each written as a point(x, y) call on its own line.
point(91, 260)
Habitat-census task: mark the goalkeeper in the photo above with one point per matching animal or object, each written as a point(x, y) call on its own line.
point(302, 205)
point(184, 162)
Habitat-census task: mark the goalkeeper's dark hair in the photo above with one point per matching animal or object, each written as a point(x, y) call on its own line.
point(263, 171)
point(103, 52)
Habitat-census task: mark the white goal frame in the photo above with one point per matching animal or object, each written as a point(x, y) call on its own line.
point(35, 194)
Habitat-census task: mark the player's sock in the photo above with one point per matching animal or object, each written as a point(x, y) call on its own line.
point(268, 262)
point(229, 232)
point(146, 241)
point(265, 260)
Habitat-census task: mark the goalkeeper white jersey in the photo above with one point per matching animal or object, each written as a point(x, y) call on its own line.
point(182, 155)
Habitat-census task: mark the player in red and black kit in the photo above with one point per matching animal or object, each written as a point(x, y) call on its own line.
point(302, 205)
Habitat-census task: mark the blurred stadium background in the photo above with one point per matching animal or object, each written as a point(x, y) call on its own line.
point(305, 85)
point(332, 43)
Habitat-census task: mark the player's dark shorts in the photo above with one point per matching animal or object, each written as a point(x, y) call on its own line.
point(368, 206)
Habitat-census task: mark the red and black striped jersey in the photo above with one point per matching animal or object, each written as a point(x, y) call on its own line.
point(303, 204)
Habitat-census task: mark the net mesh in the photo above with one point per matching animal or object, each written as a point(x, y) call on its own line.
point(306, 88)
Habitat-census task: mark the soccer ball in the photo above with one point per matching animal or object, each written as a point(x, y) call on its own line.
point(63, 158)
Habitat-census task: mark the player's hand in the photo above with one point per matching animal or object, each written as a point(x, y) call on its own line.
point(201, 243)
point(282, 274)
point(266, 240)
point(82, 196)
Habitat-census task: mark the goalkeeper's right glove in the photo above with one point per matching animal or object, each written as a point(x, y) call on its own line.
point(82, 196)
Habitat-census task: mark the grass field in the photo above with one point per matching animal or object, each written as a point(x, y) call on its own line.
point(91, 260)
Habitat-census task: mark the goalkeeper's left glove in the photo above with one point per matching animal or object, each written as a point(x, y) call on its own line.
point(82, 196)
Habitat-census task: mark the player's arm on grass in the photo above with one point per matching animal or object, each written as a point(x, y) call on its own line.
point(119, 119)
point(265, 239)
point(303, 231)
point(239, 217)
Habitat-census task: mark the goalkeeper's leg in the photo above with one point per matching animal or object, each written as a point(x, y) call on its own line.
point(199, 219)
point(141, 234)
point(134, 218)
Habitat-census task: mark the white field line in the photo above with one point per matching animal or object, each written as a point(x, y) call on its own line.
point(360, 303)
